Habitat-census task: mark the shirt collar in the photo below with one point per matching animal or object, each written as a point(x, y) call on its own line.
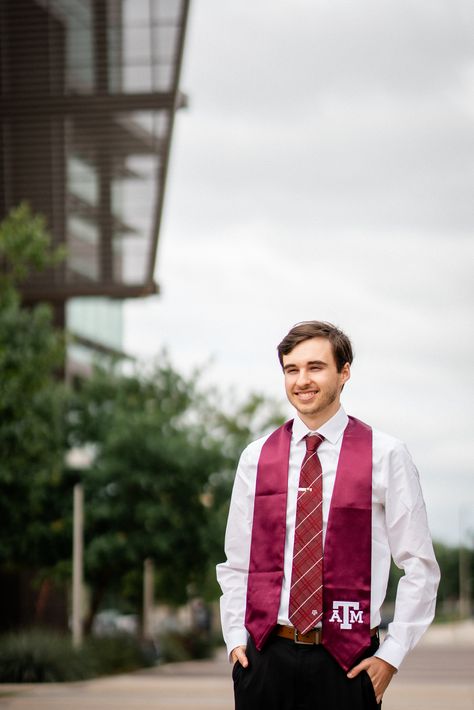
point(332, 430)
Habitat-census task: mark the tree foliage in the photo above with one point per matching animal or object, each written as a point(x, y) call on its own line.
point(25, 246)
point(160, 477)
point(31, 403)
point(233, 430)
point(165, 453)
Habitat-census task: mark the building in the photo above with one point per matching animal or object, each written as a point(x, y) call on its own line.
point(89, 91)
point(88, 95)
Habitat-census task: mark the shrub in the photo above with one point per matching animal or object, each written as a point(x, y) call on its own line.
point(39, 657)
point(119, 653)
point(179, 646)
point(44, 657)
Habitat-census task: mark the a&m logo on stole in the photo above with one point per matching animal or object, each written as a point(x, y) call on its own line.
point(350, 614)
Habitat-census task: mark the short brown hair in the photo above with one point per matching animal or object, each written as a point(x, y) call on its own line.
point(341, 345)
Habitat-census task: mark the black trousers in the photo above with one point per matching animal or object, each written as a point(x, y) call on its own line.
point(289, 676)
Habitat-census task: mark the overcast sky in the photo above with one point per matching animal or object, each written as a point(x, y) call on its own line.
point(324, 169)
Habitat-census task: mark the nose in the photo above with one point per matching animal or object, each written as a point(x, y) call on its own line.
point(303, 378)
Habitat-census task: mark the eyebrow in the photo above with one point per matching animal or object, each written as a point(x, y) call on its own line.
point(310, 362)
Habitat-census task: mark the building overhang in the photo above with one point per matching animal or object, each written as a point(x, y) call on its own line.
point(87, 115)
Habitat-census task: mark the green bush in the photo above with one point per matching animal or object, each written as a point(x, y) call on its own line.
point(39, 657)
point(119, 653)
point(178, 646)
point(43, 657)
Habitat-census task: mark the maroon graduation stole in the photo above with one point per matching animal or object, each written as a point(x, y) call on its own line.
point(347, 548)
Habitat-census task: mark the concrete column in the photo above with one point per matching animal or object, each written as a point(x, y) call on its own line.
point(148, 597)
point(77, 565)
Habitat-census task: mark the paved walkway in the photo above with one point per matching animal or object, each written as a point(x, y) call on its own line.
point(438, 675)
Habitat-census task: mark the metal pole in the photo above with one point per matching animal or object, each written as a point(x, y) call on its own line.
point(464, 571)
point(148, 594)
point(464, 583)
point(77, 565)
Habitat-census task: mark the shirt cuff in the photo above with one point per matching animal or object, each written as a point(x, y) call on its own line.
point(234, 639)
point(391, 652)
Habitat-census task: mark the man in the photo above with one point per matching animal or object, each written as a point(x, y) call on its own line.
point(308, 551)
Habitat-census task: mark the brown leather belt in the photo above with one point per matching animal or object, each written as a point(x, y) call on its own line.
point(312, 637)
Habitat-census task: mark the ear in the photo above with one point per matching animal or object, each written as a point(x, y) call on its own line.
point(345, 373)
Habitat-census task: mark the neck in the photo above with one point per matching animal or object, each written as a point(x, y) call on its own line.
point(314, 421)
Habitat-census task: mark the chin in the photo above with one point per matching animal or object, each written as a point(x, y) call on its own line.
point(308, 410)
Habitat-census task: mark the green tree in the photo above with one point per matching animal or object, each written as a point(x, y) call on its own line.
point(448, 592)
point(145, 488)
point(31, 434)
point(233, 430)
point(449, 559)
point(31, 404)
point(160, 481)
point(165, 453)
point(25, 247)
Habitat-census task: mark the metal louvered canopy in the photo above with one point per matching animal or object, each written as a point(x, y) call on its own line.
point(89, 90)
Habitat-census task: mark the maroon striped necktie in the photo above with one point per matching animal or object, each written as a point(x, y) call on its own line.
point(306, 594)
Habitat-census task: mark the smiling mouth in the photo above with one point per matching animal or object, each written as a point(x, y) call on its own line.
point(306, 395)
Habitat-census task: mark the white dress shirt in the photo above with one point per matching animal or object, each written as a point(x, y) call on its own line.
point(399, 529)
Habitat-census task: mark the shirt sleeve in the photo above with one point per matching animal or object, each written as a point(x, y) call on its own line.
point(232, 574)
point(412, 550)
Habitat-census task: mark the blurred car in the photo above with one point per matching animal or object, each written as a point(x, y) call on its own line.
point(111, 621)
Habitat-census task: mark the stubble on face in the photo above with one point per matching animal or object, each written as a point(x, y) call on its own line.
point(323, 401)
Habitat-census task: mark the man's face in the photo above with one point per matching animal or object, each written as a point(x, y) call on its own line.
point(313, 384)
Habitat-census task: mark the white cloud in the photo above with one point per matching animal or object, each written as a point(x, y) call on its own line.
point(323, 170)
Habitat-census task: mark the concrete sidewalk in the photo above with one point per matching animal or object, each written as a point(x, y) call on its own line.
point(438, 675)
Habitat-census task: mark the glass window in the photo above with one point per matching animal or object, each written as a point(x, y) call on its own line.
point(167, 10)
point(154, 122)
point(72, 12)
point(77, 20)
point(82, 229)
point(165, 41)
point(163, 76)
point(115, 51)
point(82, 252)
point(137, 78)
point(97, 319)
point(136, 45)
point(134, 254)
point(136, 12)
point(82, 181)
point(134, 195)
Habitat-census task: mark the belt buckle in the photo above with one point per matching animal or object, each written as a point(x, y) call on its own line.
point(317, 638)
